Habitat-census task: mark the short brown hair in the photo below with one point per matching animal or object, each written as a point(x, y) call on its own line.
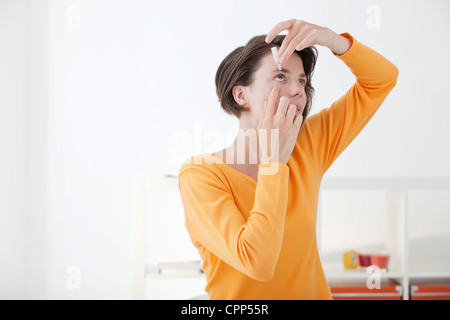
point(238, 69)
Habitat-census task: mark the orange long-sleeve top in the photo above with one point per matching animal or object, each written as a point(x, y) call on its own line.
point(257, 239)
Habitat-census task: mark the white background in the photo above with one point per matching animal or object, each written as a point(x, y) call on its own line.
point(94, 93)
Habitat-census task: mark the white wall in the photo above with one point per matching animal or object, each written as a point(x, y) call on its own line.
point(36, 227)
point(96, 92)
point(403, 139)
point(13, 100)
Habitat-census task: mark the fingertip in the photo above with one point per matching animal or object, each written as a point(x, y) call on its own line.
point(275, 90)
point(298, 119)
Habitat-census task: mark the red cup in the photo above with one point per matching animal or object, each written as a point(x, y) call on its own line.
point(364, 260)
point(380, 260)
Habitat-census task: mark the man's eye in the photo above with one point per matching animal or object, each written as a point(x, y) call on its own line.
point(280, 77)
point(302, 82)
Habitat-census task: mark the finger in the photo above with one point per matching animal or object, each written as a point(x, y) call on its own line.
point(290, 114)
point(271, 107)
point(263, 115)
point(298, 122)
point(290, 48)
point(306, 42)
point(281, 26)
point(282, 108)
point(287, 41)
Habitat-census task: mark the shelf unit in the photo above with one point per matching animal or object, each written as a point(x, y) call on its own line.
point(397, 193)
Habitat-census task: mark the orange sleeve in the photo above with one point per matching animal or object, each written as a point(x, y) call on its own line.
point(251, 246)
point(326, 134)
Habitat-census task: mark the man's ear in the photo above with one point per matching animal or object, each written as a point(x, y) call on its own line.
point(240, 95)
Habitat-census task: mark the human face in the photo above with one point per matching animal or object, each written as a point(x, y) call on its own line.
point(291, 81)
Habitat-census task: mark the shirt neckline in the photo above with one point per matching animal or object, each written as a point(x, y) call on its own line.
point(233, 169)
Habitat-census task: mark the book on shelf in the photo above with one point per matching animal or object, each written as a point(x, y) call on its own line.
point(180, 268)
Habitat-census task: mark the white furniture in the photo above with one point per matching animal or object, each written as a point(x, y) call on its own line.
point(397, 218)
point(159, 236)
point(399, 193)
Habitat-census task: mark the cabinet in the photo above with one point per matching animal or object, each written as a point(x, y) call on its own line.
point(366, 214)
